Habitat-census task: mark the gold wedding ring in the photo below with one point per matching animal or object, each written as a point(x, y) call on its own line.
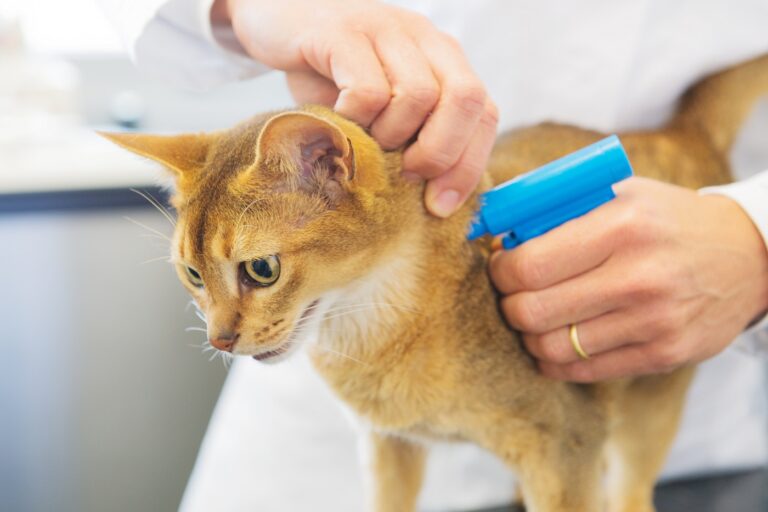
point(574, 335)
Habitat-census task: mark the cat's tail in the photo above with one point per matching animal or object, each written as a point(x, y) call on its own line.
point(717, 106)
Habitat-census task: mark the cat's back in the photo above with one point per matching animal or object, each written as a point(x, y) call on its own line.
point(672, 155)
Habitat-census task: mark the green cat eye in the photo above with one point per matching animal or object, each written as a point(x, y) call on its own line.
point(194, 277)
point(262, 271)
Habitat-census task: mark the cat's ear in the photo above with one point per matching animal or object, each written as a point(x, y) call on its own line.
point(182, 154)
point(309, 152)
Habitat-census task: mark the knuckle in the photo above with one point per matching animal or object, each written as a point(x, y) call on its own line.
point(630, 224)
point(525, 268)
point(524, 312)
point(665, 322)
point(418, 21)
point(451, 41)
point(639, 290)
point(550, 349)
point(491, 116)
point(668, 355)
point(387, 139)
point(423, 96)
point(639, 223)
point(627, 220)
point(468, 97)
point(643, 287)
point(369, 96)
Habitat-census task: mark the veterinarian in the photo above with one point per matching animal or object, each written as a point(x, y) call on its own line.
point(695, 264)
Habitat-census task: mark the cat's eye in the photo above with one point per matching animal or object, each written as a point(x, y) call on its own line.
point(262, 271)
point(194, 277)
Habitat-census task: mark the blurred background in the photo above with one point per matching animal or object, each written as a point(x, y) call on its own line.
point(104, 394)
point(104, 397)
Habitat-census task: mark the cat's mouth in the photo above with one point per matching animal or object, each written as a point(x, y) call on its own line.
point(279, 351)
point(274, 355)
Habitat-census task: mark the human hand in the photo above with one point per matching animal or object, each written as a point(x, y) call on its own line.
point(657, 278)
point(386, 68)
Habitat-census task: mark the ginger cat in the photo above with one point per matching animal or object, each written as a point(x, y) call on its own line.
point(290, 219)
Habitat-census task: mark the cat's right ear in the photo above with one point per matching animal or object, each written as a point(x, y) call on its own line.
point(309, 153)
point(181, 154)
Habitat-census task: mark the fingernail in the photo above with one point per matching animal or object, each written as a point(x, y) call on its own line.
point(411, 177)
point(444, 203)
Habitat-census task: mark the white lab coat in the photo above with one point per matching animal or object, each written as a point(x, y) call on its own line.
point(277, 440)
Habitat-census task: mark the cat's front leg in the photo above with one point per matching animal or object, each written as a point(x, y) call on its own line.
point(397, 468)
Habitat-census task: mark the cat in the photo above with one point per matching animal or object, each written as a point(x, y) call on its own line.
point(296, 224)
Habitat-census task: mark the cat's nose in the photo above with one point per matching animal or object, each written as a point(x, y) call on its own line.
point(224, 342)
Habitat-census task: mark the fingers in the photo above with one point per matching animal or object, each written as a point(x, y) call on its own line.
point(446, 192)
point(574, 300)
point(596, 336)
point(565, 252)
point(415, 90)
point(398, 75)
point(364, 90)
point(454, 144)
point(447, 132)
point(627, 361)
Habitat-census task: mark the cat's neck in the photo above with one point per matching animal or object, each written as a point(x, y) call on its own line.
point(423, 258)
point(361, 317)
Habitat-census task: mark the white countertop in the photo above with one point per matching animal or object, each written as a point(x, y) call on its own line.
point(76, 160)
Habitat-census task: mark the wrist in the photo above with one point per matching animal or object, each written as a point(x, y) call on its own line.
point(748, 242)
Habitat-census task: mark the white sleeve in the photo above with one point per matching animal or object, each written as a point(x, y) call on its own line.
point(174, 40)
point(752, 196)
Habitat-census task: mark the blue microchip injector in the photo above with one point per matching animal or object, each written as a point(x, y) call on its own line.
point(533, 203)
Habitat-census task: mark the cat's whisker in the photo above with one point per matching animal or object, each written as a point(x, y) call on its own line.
point(154, 202)
point(373, 305)
point(159, 258)
point(156, 237)
point(344, 309)
point(151, 230)
point(201, 316)
point(346, 312)
point(204, 346)
point(341, 354)
point(333, 330)
point(227, 359)
point(325, 316)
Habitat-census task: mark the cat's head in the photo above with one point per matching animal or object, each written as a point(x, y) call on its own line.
point(274, 214)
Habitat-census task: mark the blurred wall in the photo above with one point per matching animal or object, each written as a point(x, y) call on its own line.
point(104, 398)
point(172, 109)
